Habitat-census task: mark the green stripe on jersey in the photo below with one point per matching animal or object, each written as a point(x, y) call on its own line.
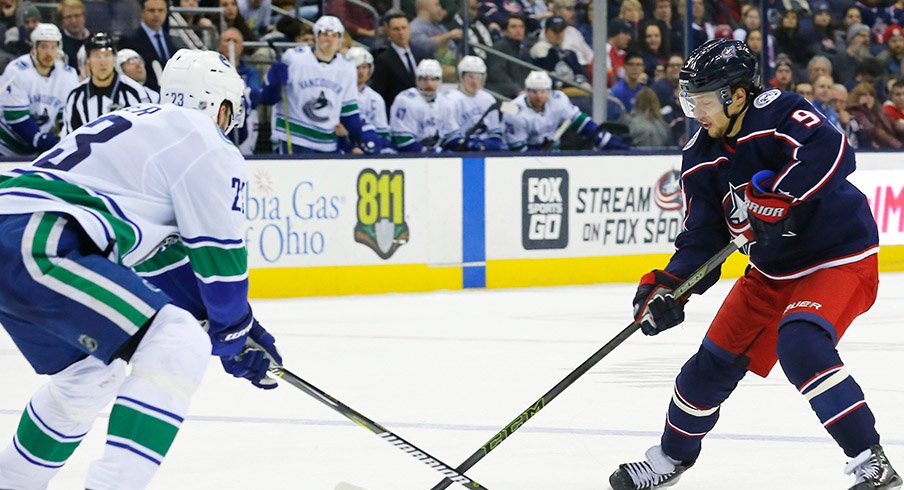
point(578, 122)
point(349, 108)
point(72, 194)
point(38, 443)
point(212, 261)
point(150, 432)
point(305, 131)
point(15, 115)
point(162, 259)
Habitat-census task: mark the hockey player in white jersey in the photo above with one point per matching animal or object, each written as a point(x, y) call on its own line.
point(370, 103)
point(320, 92)
point(414, 120)
point(35, 87)
point(108, 200)
point(541, 111)
point(469, 117)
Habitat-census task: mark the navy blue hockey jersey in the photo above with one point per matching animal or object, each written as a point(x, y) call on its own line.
point(782, 132)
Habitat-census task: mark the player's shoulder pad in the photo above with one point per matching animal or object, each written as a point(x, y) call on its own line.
point(772, 108)
point(410, 92)
point(557, 94)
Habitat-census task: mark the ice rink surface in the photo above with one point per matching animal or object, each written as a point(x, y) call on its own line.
point(448, 370)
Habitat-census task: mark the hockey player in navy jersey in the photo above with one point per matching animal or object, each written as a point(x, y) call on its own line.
point(765, 164)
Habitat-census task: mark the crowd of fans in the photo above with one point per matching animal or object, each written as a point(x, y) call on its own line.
point(843, 56)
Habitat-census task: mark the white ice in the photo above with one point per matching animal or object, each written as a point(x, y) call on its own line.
point(447, 370)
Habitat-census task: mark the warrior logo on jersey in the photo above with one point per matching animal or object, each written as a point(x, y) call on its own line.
point(318, 109)
point(668, 191)
point(381, 211)
point(544, 213)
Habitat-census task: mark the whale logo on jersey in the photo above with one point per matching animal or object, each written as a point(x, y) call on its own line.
point(667, 191)
point(318, 110)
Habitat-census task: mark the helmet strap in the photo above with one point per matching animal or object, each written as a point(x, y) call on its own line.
point(734, 119)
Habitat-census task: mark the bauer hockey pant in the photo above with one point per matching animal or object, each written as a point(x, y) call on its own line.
point(762, 321)
point(72, 313)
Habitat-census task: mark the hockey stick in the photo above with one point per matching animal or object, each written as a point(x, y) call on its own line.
point(504, 107)
point(285, 105)
point(685, 287)
point(452, 476)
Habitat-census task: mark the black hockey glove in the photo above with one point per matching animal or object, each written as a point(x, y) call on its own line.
point(769, 213)
point(654, 306)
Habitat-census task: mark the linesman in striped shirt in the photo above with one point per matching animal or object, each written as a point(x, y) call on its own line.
point(105, 90)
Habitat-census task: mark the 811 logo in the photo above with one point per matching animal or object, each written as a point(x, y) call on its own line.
point(544, 210)
point(381, 211)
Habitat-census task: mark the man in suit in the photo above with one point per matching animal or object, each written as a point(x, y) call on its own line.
point(151, 40)
point(394, 66)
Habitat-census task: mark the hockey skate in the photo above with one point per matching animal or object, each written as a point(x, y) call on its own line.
point(658, 471)
point(872, 470)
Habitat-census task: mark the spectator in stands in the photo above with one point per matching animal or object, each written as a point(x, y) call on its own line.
point(505, 77)
point(844, 63)
point(478, 31)
point(632, 11)
point(646, 125)
point(232, 46)
point(394, 67)
point(895, 12)
point(549, 54)
point(847, 125)
point(653, 47)
point(358, 21)
point(9, 14)
point(818, 66)
point(257, 15)
point(619, 39)
point(824, 34)
point(891, 58)
point(533, 12)
point(822, 99)
point(233, 18)
point(665, 87)
point(783, 77)
point(789, 39)
point(574, 40)
point(851, 17)
point(672, 32)
point(151, 41)
point(875, 129)
point(869, 11)
point(702, 29)
point(635, 79)
point(750, 20)
point(805, 90)
point(894, 108)
point(429, 37)
point(723, 31)
point(17, 38)
point(201, 25)
point(72, 16)
point(755, 42)
point(869, 71)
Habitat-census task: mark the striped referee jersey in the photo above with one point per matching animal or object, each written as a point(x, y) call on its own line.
point(88, 102)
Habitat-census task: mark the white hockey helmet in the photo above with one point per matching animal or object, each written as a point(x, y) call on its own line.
point(359, 56)
point(471, 64)
point(538, 80)
point(203, 80)
point(429, 69)
point(124, 55)
point(46, 32)
point(328, 23)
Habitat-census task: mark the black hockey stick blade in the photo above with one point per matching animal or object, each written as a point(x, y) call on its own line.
point(453, 476)
point(683, 289)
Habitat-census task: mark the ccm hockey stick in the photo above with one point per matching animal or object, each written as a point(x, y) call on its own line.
point(452, 476)
point(682, 290)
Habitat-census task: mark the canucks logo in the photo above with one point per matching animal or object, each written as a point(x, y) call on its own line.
point(381, 211)
point(318, 110)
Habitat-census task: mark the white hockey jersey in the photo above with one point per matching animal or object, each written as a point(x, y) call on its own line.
point(531, 127)
point(412, 118)
point(28, 94)
point(459, 112)
point(154, 187)
point(316, 95)
point(373, 111)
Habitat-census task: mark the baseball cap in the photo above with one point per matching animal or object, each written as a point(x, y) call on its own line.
point(819, 7)
point(32, 11)
point(892, 31)
point(619, 26)
point(556, 24)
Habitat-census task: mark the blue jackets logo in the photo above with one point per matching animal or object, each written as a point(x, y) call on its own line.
point(544, 216)
point(381, 211)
